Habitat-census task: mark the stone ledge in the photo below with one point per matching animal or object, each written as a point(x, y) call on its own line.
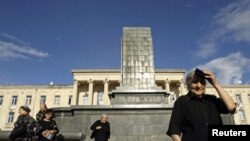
point(68, 136)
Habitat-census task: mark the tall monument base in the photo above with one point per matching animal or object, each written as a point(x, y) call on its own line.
point(128, 123)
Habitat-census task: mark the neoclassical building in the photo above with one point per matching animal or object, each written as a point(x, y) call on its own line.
point(92, 87)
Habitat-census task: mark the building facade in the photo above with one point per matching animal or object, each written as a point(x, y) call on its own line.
point(92, 87)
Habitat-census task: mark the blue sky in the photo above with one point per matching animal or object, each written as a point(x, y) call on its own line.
point(42, 41)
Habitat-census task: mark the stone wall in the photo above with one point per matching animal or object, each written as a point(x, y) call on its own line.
point(128, 123)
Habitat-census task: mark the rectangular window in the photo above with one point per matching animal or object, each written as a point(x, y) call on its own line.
point(1, 100)
point(14, 101)
point(100, 99)
point(238, 99)
point(11, 117)
point(28, 100)
point(242, 114)
point(43, 99)
point(85, 100)
point(57, 100)
point(249, 97)
point(70, 99)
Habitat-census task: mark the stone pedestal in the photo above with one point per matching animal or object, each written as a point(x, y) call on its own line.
point(127, 122)
point(138, 81)
point(139, 122)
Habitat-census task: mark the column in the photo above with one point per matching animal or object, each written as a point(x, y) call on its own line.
point(75, 100)
point(106, 92)
point(167, 85)
point(90, 92)
point(120, 82)
point(181, 87)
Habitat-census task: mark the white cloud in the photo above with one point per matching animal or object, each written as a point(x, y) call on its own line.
point(14, 39)
point(206, 49)
point(229, 69)
point(18, 49)
point(231, 23)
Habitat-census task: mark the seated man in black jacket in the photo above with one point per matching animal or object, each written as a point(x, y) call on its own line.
point(101, 129)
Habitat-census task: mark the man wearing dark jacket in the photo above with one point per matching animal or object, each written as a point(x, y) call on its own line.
point(101, 129)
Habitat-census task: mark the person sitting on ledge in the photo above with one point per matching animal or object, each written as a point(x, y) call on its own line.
point(41, 113)
point(48, 127)
point(24, 126)
point(101, 129)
